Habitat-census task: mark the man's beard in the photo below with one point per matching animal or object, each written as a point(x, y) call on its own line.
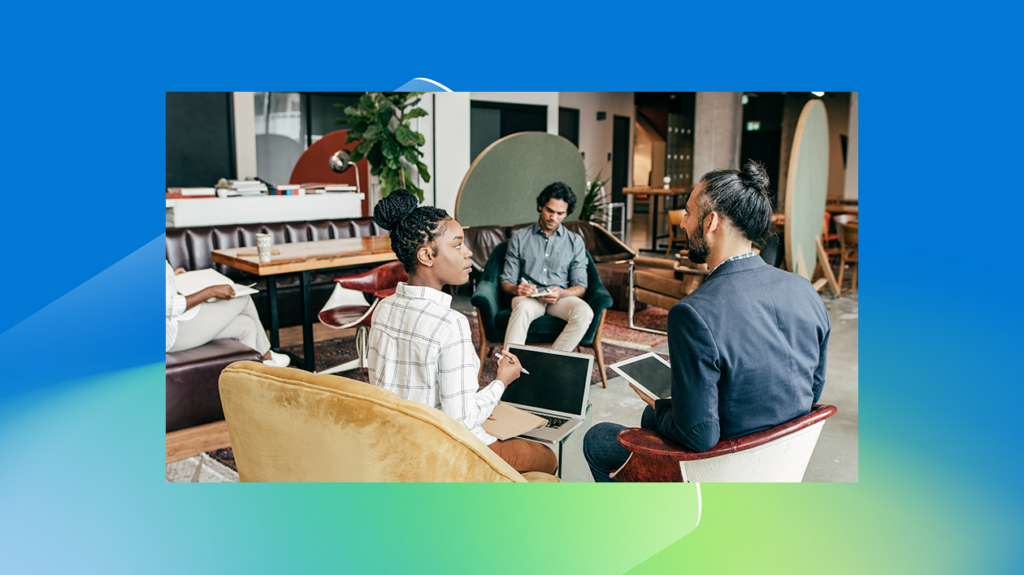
point(699, 247)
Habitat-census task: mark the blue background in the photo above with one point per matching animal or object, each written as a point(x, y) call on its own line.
point(81, 420)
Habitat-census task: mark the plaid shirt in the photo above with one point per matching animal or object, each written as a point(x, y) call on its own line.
point(734, 258)
point(421, 349)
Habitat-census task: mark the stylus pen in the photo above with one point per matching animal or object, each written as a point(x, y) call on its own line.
point(500, 357)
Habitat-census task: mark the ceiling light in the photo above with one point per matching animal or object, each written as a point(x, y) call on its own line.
point(818, 94)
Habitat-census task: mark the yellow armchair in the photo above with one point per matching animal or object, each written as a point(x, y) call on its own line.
point(290, 425)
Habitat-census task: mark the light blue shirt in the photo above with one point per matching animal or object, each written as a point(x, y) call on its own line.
point(559, 260)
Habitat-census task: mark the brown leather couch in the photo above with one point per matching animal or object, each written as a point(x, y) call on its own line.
point(609, 253)
point(192, 394)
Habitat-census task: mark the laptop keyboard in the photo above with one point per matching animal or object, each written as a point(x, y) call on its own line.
point(553, 422)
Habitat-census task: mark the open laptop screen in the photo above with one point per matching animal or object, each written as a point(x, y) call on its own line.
point(556, 382)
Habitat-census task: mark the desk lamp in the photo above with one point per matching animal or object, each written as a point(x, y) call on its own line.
point(342, 161)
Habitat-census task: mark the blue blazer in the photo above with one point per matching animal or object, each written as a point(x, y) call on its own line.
point(748, 352)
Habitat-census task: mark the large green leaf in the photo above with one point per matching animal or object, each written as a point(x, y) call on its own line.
point(424, 174)
point(372, 133)
point(415, 113)
point(366, 100)
point(405, 136)
point(389, 149)
point(362, 150)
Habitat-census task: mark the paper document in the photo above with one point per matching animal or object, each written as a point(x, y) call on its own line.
point(542, 293)
point(189, 283)
point(511, 421)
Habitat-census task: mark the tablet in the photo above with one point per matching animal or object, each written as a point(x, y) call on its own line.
point(650, 373)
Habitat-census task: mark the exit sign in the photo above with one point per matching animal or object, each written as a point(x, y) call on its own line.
point(753, 126)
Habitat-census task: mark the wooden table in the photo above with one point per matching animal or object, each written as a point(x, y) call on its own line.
point(305, 258)
point(652, 209)
point(841, 209)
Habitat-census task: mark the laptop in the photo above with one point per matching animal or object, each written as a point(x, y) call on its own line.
point(557, 389)
point(649, 372)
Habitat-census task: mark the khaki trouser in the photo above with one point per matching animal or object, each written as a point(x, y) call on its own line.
point(573, 310)
point(524, 455)
point(234, 318)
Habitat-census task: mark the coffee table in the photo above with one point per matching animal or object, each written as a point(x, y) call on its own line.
point(305, 258)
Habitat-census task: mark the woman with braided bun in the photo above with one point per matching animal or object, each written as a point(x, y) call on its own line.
point(422, 349)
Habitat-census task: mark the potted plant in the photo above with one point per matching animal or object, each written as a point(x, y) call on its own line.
point(381, 121)
point(594, 206)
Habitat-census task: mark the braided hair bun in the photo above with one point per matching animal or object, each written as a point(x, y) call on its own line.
point(390, 211)
point(410, 226)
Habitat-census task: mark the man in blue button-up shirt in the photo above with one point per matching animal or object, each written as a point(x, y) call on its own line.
point(546, 272)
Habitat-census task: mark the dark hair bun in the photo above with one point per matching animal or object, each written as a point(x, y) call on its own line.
point(754, 174)
point(390, 211)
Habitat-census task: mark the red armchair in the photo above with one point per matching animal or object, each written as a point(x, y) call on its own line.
point(347, 307)
point(777, 454)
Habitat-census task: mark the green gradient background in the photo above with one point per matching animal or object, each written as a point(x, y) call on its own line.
point(108, 500)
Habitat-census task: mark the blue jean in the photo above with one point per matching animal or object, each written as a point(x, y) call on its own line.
point(602, 450)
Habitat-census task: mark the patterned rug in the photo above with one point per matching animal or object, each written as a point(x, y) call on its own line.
point(616, 326)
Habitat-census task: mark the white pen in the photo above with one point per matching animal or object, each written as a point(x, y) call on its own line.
point(500, 357)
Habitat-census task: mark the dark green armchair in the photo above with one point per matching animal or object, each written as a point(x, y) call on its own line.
point(494, 308)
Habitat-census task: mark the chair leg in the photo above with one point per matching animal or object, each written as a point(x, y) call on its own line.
point(599, 350)
point(671, 239)
point(842, 273)
point(362, 341)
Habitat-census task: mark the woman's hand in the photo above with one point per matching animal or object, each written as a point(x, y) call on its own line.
point(220, 292)
point(179, 271)
point(509, 368)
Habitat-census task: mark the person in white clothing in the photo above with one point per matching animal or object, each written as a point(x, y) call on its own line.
point(422, 349)
point(192, 323)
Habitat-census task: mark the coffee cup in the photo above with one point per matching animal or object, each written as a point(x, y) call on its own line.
point(264, 244)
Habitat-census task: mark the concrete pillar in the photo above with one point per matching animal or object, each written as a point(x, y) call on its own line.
point(451, 146)
point(718, 127)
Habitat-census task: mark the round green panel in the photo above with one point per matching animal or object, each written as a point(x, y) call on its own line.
point(504, 181)
point(807, 188)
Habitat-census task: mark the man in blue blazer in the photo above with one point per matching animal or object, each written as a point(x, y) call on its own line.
point(747, 347)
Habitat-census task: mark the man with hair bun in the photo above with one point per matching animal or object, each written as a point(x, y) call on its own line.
point(549, 259)
point(747, 347)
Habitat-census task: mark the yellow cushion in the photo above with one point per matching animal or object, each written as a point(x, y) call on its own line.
point(290, 425)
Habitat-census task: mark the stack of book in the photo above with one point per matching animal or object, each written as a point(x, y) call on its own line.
point(247, 187)
point(179, 193)
point(289, 190)
point(323, 187)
